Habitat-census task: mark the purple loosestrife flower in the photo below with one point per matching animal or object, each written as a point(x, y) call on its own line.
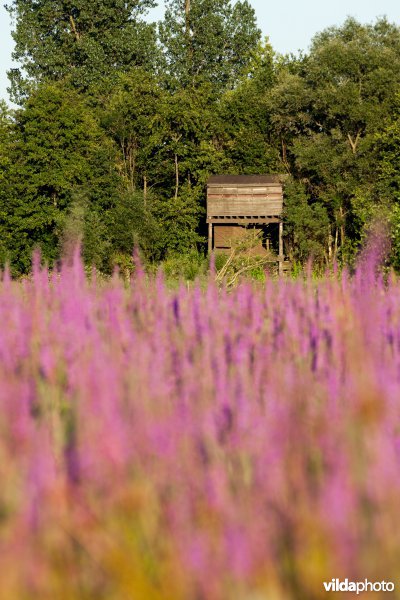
point(214, 442)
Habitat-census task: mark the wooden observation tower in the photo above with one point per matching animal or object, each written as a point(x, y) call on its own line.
point(235, 202)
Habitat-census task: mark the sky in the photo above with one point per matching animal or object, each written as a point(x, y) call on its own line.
point(289, 24)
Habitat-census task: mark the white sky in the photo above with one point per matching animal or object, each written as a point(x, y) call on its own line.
point(289, 24)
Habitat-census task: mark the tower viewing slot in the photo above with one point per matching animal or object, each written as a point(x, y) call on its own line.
point(237, 201)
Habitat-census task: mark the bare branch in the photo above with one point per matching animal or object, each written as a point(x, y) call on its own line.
point(74, 29)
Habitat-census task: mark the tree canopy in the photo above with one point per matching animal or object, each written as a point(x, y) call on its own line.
point(208, 41)
point(122, 122)
point(87, 41)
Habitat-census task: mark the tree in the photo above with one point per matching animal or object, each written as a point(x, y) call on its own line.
point(190, 150)
point(134, 117)
point(246, 132)
point(178, 222)
point(328, 107)
point(188, 153)
point(6, 147)
point(208, 41)
point(306, 226)
point(387, 184)
point(89, 41)
point(132, 224)
point(386, 148)
point(61, 158)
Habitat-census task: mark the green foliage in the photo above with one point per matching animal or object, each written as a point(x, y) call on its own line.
point(395, 226)
point(387, 187)
point(208, 41)
point(328, 108)
point(118, 134)
point(90, 41)
point(178, 219)
point(132, 224)
point(134, 117)
point(60, 153)
point(5, 141)
point(188, 266)
point(244, 260)
point(191, 150)
point(246, 134)
point(387, 151)
point(306, 226)
point(6, 144)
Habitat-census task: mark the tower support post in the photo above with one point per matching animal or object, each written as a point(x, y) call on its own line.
point(281, 257)
point(210, 237)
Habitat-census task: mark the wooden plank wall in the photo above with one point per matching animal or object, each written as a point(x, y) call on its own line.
point(239, 200)
point(225, 235)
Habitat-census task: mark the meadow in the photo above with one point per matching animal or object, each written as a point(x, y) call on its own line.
point(197, 443)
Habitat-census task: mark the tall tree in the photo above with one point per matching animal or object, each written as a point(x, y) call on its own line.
point(60, 158)
point(208, 40)
point(327, 108)
point(168, 142)
point(189, 153)
point(6, 125)
point(86, 40)
point(387, 184)
point(134, 117)
point(246, 132)
point(6, 159)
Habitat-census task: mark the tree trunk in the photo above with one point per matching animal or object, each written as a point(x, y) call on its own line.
point(330, 241)
point(189, 47)
point(176, 177)
point(187, 17)
point(354, 143)
point(145, 190)
point(132, 165)
point(129, 158)
point(342, 227)
point(281, 256)
point(74, 29)
point(210, 238)
point(335, 248)
point(284, 155)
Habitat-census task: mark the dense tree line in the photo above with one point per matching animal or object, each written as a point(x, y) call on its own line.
point(121, 123)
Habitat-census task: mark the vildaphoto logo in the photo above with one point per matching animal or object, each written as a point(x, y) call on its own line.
point(337, 585)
